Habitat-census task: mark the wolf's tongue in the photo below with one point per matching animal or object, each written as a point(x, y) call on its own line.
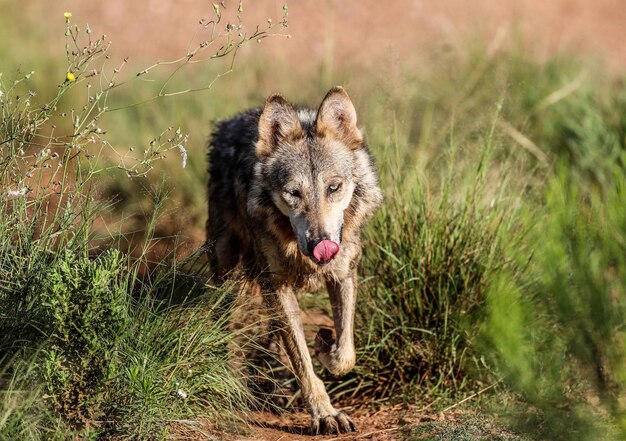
point(325, 251)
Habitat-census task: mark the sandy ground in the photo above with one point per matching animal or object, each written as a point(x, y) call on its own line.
point(383, 425)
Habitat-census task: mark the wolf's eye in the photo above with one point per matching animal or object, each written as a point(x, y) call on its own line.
point(334, 187)
point(293, 193)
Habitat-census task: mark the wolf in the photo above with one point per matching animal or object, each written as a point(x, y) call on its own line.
point(290, 189)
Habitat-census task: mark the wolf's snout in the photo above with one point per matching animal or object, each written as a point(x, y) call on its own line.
point(325, 251)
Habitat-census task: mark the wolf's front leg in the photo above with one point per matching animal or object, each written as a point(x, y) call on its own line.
point(338, 355)
point(325, 418)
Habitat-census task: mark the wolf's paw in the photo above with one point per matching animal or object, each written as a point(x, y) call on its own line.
point(338, 360)
point(326, 425)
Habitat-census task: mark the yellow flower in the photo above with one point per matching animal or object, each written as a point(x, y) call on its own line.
point(70, 76)
point(67, 16)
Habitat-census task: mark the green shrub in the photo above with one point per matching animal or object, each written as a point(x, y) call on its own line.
point(111, 354)
point(557, 323)
point(427, 271)
point(94, 341)
point(79, 309)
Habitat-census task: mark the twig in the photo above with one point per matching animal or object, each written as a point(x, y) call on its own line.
point(562, 93)
point(364, 435)
point(185, 422)
point(524, 141)
point(470, 397)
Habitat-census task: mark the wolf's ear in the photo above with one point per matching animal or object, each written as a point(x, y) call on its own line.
point(336, 117)
point(279, 121)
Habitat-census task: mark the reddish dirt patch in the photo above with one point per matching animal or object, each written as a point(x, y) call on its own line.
point(383, 425)
point(362, 32)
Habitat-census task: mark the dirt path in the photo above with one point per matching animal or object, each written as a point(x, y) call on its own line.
point(383, 425)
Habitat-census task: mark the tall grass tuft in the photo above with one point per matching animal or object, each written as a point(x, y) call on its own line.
point(428, 259)
point(97, 350)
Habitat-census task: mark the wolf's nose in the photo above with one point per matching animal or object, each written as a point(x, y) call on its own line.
point(325, 251)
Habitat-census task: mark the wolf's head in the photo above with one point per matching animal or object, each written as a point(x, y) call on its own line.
point(308, 161)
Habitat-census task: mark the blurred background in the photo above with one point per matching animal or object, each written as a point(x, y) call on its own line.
point(368, 33)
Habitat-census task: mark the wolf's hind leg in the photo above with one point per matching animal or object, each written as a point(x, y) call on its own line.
point(266, 370)
point(223, 251)
point(325, 418)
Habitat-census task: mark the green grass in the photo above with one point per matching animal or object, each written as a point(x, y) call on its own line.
point(97, 345)
point(96, 342)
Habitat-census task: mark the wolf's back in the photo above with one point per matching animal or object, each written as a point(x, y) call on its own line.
point(231, 150)
point(231, 169)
